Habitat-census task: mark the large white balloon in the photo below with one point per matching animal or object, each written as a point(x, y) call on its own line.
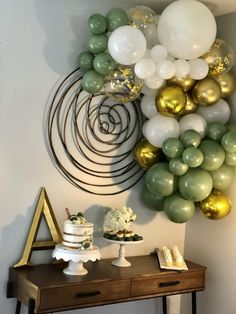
point(220, 112)
point(193, 121)
point(187, 29)
point(127, 45)
point(159, 128)
point(148, 106)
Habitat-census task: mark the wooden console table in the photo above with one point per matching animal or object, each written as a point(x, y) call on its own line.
point(45, 289)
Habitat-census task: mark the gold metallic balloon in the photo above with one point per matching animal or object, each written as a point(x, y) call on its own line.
point(220, 58)
point(146, 154)
point(227, 83)
point(171, 101)
point(122, 85)
point(190, 107)
point(206, 92)
point(216, 206)
point(186, 83)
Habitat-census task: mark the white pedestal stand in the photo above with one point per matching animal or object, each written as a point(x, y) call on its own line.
point(75, 258)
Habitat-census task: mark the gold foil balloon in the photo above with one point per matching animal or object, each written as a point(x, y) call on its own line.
point(206, 92)
point(146, 154)
point(122, 85)
point(190, 106)
point(216, 206)
point(220, 58)
point(186, 83)
point(171, 101)
point(227, 84)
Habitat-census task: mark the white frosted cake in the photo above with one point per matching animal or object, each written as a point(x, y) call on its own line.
point(77, 233)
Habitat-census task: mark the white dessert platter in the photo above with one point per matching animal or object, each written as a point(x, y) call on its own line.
point(76, 258)
point(163, 265)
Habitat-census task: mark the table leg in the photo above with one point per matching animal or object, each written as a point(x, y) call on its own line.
point(31, 306)
point(18, 307)
point(164, 304)
point(194, 302)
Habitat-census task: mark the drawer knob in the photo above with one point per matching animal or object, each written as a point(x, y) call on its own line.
point(169, 283)
point(87, 294)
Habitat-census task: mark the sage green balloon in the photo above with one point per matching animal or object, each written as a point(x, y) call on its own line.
point(196, 184)
point(177, 166)
point(228, 142)
point(103, 63)
point(230, 159)
point(190, 138)
point(213, 155)
point(152, 201)
point(231, 127)
point(160, 181)
point(215, 131)
point(178, 209)
point(85, 60)
point(97, 43)
point(116, 18)
point(97, 23)
point(92, 81)
point(172, 147)
point(222, 177)
point(192, 156)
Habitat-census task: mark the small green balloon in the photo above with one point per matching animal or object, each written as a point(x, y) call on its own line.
point(97, 43)
point(190, 138)
point(231, 127)
point(172, 147)
point(192, 156)
point(215, 131)
point(178, 209)
point(222, 177)
point(228, 142)
point(92, 81)
point(97, 23)
point(104, 64)
point(116, 18)
point(213, 155)
point(85, 60)
point(152, 201)
point(230, 159)
point(160, 181)
point(196, 184)
point(177, 166)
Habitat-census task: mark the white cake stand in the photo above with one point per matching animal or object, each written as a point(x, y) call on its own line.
point(75, 258)
point(121, 261)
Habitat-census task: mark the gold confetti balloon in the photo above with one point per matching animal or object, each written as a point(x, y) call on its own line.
point(186, 83)
point(227, 84)
point(190, 106)
point(122, 85)
point(206, 92)
point(171, 101)
point(146, 154)
point(216, 206)
point(141, 16)
point(220, 58)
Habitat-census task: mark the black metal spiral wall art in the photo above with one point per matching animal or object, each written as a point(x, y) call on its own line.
point(91, 139)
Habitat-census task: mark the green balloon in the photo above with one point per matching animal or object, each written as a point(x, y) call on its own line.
point(103, 63)
point(213, 155)
point(230, 159)
point(215, 131)
point(85, 60)
point(178, 209)
point(97, 43)
point(116, 18)
point(190, 138)
point(92, 81)
point(222, 177)
point(228, 142)
point(177, 166)
point(196, 184)
point(231, 128)
point(97, 23)
point(172, 147)
point(192, 156)
point(160, 181)
point(152, 201)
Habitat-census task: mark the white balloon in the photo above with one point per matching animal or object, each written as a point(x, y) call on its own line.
point(145, 68)
point(187, 29)
point(127, 45)
point(158, 53)
point(193, 121)
point(154, 82)
point(144, 128)
point(219, 112)
point(159, 128)
point(182, 68)
point(165, 69)
point(148, 106)
point(198, 69)
point(148, 91)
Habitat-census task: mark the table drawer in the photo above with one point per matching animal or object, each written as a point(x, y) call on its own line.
point(169, 283)
point(90, 293)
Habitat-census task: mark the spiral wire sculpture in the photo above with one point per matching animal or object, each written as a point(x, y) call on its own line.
point(92, 139)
